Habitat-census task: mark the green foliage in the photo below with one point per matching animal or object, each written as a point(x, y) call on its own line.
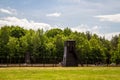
point(4, 39)
point(53, 32)
point(90, 48)
point(67, 31)
point(17, 31)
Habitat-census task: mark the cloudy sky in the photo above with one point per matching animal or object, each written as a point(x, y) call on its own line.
point(97, 16)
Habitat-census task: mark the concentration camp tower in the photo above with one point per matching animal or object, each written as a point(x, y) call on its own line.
point(70, 57)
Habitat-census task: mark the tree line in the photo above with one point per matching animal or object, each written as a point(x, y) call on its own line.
point(48, 46)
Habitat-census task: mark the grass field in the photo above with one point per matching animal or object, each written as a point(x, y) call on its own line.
point(60, 73)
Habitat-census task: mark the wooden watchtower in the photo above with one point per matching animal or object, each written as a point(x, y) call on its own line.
point(70, 57)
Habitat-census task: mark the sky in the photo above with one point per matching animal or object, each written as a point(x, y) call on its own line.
point(97, 16)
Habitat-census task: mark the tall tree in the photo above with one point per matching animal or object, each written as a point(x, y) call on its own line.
point(114, 42)
point(59, 45)
point(17, 31)
point(4, 39)
point(96, 50)
point(67, 31)
point(53, 32)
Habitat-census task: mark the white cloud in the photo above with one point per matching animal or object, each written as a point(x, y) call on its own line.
point(110, 35)
point(84, 28)
point(5, 11)
point(14, 11)
point(94, 30)
point(36, 25)
point(54, 15)
point(23, 23)
point(111, 18)
point(9, 11)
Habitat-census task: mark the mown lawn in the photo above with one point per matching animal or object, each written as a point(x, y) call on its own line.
point(60, 73)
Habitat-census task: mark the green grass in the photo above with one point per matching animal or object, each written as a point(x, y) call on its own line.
point(60, 73)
